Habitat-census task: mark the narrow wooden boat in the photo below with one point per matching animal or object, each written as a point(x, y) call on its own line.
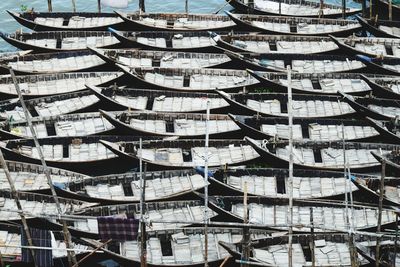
point(167, 41)
point(384, 8)
point(316, 84)
point(186, 212)
point(295, 25)
point(179, 247)
point(309, 9)
point(384, 87)
point(44, 42)
point(84, 61)
point(185, 153)
point(80, 124)
point(182, 125)
point(369, 46)
point(273, 183)
point(388, 257)
point(33, 86)
point(159, 101)
point(389, 130)
point(84, 154)
point(125, 187)
point(313, 64)
point(304, 106)
point(327, 216)
point(68, 21)
point(387, 66)
point(306, 129)
point(31, 177)
point(162, 59)
point(381, 28)
point(176, 22)
point(331, 249)
point(376, 108)
point(36, 206)
point(192, 80)
point(370, 188)
point(281, 44)
point(391, 159)
point(75, 102)
point(322, 155)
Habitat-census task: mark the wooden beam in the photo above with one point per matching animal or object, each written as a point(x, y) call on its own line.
point(49, 6)
point(378, 229)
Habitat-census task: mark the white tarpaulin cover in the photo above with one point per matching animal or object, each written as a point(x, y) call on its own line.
point(115, 3)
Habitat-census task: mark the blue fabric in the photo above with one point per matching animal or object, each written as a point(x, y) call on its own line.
point(60, 185)
point(364, 58)
point(200, 170)
point(40, 238)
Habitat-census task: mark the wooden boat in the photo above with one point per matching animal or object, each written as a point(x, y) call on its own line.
point(75, 102)
point(33, 86)
point(161, 59)
point(309, 9)
point(68, 21)
point(185, 153)
point(295, 25)
point(388, 257)
point(31, 178)
point(327, 216)
point(370, 188)
point(369, 46)
point(192, 80)
point(182, 125)
point(306, 129)
point(43, 42)
point(384, 87)
point(391, 159)
point(381, 28)
point(313, 64)
point(331, 249)
point(376, 108)
point(159, 101)
point(281, 44)
point(187, 212)
point(84, 61)
point(322, 155)
point(36, 206)
point(167, 41)
point(387, 66)
point(387, 129)
point(84, 154)
point(80, 124)
point(316, 84)
point(125, 187)
point(384, 8)
point(179, 247)
point(304, 106)
point(273, 183)
point(176, 22)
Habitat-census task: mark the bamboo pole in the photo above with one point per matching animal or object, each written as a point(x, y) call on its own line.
point(395, 240)
point(67, 236)
point(344, 9)
point(49, 6)
point(99, 5)
point(143, 254)
point(21, 213)
point(206, 187)
point(92, 252)
point(73, 5)
point(246, 236)
point(290, 180)
point(312, 245)
point(186, 7)
point(390, 10)
point(142, 8)
point(381, 189)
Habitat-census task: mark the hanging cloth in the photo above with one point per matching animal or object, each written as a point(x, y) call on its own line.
point(40, 238)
